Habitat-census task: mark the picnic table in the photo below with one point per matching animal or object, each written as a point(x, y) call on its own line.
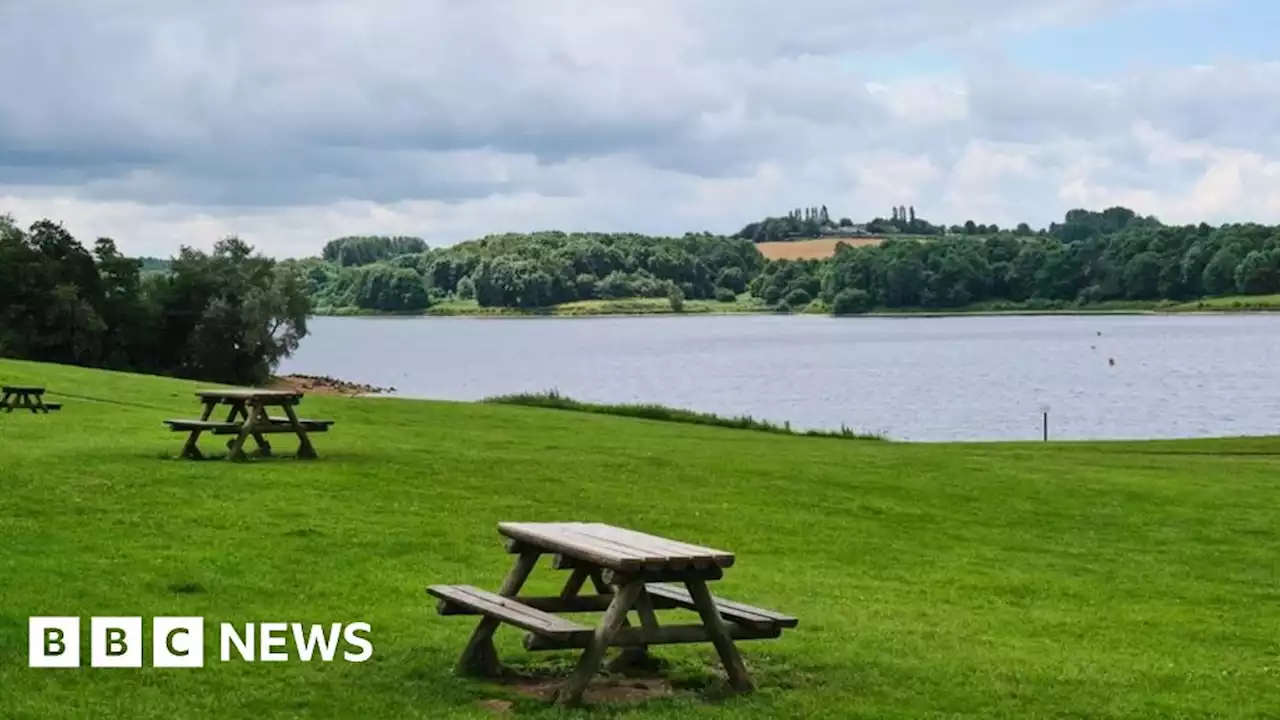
point(628, 570)
point(249, 417)
point(25, 397)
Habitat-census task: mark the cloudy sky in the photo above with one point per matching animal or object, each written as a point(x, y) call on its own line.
point(290, 122)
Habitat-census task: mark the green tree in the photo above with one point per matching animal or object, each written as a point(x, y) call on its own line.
point(231, 315)
point(851, 301)
point(676, 298)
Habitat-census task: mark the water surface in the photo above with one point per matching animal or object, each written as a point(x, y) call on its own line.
point(955, 378)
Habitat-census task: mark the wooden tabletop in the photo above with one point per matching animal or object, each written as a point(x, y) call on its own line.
point(614, 547)
point(28, 389)
point(246, 394)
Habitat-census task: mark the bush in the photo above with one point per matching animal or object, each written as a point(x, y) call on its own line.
point(798, 298)
point(733, 279)
point(724, 294)
point(851, 302)
point(676, 298)
point(783, 307)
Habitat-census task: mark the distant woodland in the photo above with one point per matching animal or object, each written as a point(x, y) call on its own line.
point(1088, 258)
point(231, 314)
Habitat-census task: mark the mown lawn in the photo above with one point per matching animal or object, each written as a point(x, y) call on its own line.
point(985, 581)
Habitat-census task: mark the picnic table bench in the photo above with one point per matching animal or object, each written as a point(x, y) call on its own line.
point(249, 418)
point(628, 570)
point(25, 397)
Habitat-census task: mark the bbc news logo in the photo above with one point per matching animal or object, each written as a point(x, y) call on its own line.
point(178, 642)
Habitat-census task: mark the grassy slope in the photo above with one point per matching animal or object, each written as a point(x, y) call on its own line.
point(1073, 580)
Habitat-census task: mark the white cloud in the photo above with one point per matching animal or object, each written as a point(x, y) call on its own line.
point(292, 122)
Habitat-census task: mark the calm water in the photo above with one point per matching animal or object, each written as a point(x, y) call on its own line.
point(969, 378)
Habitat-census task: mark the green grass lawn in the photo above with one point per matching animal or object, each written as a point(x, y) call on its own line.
point(1232, 303)
point(985, 581)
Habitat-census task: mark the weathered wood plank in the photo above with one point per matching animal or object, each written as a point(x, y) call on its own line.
point(241, 394)
point(667, 635)
point(641, 557)
point(728, 609)
point(616, 577)
point(183, 425)
point(653, 544)
point(560, 604)
point(553, 538)
point(272, 428)
point(612, 547)
point(510, 611)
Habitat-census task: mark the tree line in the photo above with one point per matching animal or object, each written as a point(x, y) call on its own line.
point(532, 270)
point(1088, 257)
point(1091, 257)
point(230, 315)
point(226, 316)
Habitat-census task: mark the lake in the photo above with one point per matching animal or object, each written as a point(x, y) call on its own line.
point(923, 379)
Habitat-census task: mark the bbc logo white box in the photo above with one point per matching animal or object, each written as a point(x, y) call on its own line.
point(177, 642)
point(53, 642)
point(115, 642)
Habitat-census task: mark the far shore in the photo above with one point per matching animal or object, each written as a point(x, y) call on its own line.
point(647, 307)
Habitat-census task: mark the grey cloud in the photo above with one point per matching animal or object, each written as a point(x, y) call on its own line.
point(291, 102)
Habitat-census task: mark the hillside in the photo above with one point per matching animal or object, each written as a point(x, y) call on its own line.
point(994, 581)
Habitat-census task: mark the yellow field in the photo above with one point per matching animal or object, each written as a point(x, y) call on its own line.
point(810, 249)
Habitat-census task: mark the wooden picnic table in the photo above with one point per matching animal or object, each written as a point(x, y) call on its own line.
point(249, 417)
point(629, 570)
point(25, 397)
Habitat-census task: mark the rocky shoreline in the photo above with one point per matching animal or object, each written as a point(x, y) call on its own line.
point(323, 385)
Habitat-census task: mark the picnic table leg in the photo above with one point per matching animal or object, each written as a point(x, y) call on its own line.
point(648, 619)
point(628, 656)
point(237, 410)
point(305, 450)
point(737, 670)
point(190, 449)
point(6, 402)
point(631, 656)
point(574, 584)
point(237, 444)
point(480, 657)
point(571, 692)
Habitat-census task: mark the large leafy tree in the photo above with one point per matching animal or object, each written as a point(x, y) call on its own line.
point(231, 315)
point(228, 316)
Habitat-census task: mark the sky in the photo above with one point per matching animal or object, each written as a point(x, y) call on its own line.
point(163, 123)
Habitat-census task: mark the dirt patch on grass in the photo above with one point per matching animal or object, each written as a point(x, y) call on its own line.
point(601, 689)
point(497, 707)
point(811, 249)
point(319, 385)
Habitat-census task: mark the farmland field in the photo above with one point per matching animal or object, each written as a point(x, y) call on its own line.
point(810, 249)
